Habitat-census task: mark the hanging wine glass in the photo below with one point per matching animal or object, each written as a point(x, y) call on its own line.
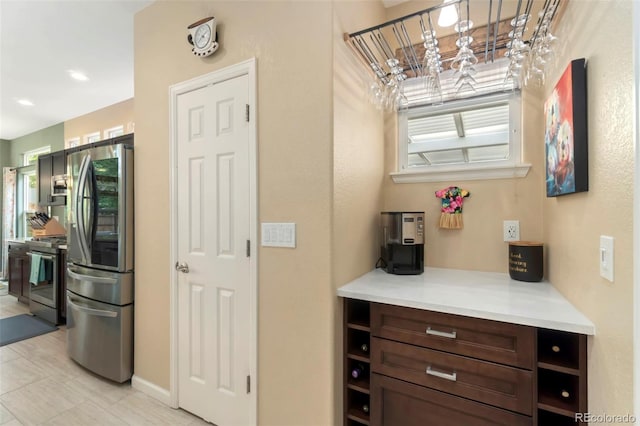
point(463, 63)
point(431, 64)
point(542, 50)
point(520, 21)
point(464, 26)
point(518, 51)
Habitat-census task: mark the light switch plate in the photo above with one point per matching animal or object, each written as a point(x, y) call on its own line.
point(606, 257)
point(279, 235)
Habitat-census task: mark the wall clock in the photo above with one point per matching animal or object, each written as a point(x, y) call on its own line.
point(202, 36)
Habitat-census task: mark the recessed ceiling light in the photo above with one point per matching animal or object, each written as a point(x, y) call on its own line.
point(448, 14)
point(77, 75)
point(25, 102)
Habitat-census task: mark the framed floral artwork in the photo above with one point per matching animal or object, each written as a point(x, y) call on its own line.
point(565, 136)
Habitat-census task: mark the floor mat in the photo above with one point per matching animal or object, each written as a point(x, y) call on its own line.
point(20, 327)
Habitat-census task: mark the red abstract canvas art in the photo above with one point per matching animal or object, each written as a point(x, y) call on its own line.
point(566, 133)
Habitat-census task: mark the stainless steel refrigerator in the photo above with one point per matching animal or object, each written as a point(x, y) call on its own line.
point(100, 284)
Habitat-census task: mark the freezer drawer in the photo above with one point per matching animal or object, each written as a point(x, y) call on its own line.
point(110, 287)
point(100, 337)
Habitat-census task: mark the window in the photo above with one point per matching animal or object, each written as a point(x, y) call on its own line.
point(92, 137)
point(73, 142)
point(29, 205)
point(476, 138)
point(27, 188)
point(114, 131)
point(31, 157)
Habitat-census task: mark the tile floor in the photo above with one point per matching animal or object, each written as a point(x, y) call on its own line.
point(41, 385)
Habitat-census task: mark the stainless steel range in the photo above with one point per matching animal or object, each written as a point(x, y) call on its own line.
point(45, 278)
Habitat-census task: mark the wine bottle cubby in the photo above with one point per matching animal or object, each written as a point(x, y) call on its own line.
point(562, 376)
point(357, 362)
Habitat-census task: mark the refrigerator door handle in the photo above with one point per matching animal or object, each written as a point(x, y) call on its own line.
point(80, 218)
point(93, 279)
point(91, 311)
point(93, 207)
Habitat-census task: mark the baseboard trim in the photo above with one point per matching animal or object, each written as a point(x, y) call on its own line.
point(152, 390)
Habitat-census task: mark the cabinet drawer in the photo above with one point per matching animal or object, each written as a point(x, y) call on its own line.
point(505, 387)
point(397, 403)
point(17, 249)
point(495, 341)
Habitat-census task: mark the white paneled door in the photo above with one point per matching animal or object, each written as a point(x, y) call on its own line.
point(213, 260)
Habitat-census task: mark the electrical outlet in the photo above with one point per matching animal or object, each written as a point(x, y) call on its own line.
point(511, 230)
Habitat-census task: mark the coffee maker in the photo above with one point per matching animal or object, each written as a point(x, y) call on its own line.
point(402, 248)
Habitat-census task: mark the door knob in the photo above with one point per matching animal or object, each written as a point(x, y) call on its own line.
point(182, 267)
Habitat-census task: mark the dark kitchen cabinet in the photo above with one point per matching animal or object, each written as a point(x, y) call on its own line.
point(62, 279)
point(418, 367)
point(50, 165)
point(19, 269)
point(45, 171)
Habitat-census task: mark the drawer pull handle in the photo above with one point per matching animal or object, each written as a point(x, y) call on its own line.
point(565, 394)
point(432, 332)
point(432, 372)
point(555, 348)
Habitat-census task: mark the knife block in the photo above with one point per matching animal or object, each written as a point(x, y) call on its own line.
point(50, 229)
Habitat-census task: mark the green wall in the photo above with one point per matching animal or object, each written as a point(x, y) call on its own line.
point(11, 151)
point(5, 152)
point(51, 136)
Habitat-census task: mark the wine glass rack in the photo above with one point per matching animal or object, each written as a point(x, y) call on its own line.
point(397, 51)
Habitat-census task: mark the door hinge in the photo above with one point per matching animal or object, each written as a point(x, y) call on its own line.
point(248, 384)
point(246, 112)
point(248, 248)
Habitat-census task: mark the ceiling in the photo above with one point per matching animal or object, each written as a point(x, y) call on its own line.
point(41, 41)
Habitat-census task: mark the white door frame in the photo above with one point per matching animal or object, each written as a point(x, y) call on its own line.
point(248, 68)
point(636, 207)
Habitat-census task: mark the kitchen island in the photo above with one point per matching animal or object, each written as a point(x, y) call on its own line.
point(461, 347)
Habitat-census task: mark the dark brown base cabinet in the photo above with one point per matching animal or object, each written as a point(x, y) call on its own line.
point(421, 368)
point(18, 272)
point(62, 287)
point(399, 403)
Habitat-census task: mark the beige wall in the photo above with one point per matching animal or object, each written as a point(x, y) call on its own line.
point(574, 223)
point(101, 120)
point(292, 42)
point(358, 168)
